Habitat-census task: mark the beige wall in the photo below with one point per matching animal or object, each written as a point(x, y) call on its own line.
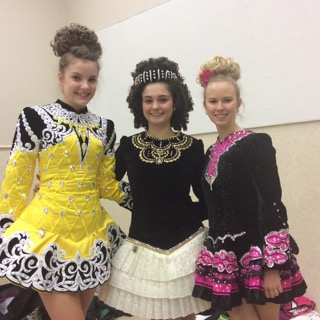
point(27, 62)
point(29, 77)
point(99, 14)
point(28, 66)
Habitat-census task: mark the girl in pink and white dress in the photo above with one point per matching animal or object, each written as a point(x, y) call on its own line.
point(247, 265)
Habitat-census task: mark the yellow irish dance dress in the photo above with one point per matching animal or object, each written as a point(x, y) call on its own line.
point(63, 239)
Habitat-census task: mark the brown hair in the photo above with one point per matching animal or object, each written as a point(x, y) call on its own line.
point(76, 41)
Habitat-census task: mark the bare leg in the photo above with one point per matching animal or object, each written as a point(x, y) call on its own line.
point(269, 311)
point(86, 298)
point(244, 312)
point(67, 305)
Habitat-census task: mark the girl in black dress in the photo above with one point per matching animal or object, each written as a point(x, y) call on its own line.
point(153, 271)
point(247, 265)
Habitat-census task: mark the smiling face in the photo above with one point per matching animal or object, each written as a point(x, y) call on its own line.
point(157, 105)
point(222, 103)
point(79, 82)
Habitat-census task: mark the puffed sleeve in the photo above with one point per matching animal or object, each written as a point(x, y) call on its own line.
point(19, 173)
point(199, 206)
point(272, 212)
point(109, 187)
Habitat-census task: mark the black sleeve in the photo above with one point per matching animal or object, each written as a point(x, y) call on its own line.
point(199, 206)
point(111, 136)
point(264, 172)
point(121, 163)
point(272, 212)
point(29, 129)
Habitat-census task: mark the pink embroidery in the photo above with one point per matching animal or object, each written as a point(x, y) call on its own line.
point(273, 256)
point(255, 268)
point(205, 257)
point(254, 254)
point(275, 250)
point(225, 261)
point(247, 262)
point(222, 289)
point(289, 281)
point(225, 277)
point(224, 286)
point(203, 281)
point(278, 239)
point(253, 282)
point(220, 148)
point(228, 278)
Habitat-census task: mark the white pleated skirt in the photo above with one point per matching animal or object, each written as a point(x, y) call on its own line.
point(151, 283)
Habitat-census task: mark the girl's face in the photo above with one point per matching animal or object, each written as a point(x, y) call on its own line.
point(79, 82)
point(221, 103)
point(157, 105)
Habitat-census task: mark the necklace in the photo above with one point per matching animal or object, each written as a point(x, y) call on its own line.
point(159, 151)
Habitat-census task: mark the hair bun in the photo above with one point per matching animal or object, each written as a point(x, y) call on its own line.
point(219, 66)
point(75, 35)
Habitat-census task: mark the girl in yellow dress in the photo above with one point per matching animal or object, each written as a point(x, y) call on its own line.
point(61, 243)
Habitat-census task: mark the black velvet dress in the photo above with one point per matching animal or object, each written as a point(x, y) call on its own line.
point(153, 272)
point(248, 225)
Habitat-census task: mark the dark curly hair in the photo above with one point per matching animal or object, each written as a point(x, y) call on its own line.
point(182, 100)
point(76, 41)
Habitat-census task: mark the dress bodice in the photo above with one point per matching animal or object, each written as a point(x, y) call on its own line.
point(242, 186)
point(161, 173)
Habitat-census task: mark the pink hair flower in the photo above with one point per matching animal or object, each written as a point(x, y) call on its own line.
point(205, 76)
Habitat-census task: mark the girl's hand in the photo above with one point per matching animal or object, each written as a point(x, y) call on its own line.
point(272, 283)
point(36, 187)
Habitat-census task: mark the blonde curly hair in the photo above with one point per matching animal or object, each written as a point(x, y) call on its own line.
point(218, 66)
point(219, 69)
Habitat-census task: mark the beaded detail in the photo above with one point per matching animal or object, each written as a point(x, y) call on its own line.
point(61, 123)
point(159, 151)
point(219, 148)
point(154, 75)
point(226, 236)
point(138, 244)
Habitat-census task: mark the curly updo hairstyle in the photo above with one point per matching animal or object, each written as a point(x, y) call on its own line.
point(182, 101)
point(220, 69)
point(76, 41)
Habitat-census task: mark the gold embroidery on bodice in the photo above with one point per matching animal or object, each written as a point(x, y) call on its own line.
point(154, 150)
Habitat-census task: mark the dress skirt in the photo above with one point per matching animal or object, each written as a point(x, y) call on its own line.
point(148, 282)
point(230, 269)
point(33, 257)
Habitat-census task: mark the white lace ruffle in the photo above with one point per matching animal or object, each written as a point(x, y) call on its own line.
point(157, 284)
